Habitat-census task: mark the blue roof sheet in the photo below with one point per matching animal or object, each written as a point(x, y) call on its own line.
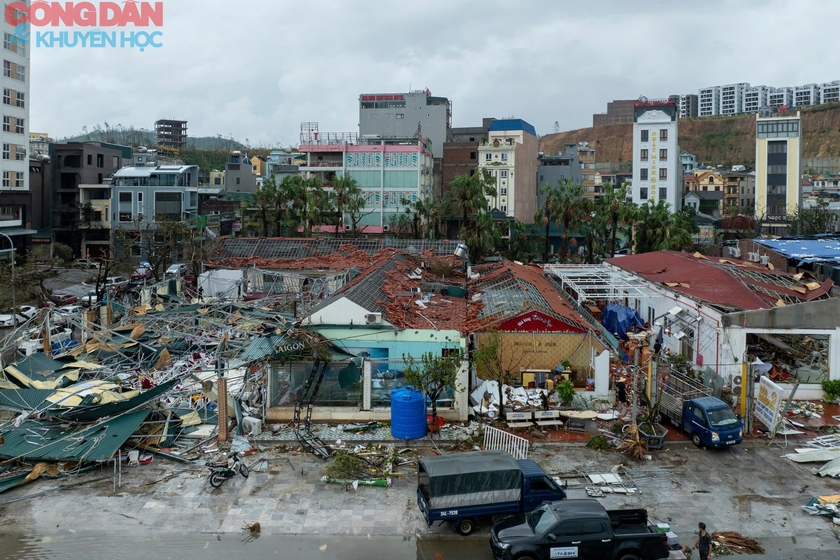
point(513, 124)
point(806, 250)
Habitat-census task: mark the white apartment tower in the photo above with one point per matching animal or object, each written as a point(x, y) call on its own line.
point(830, 92)
point(807, 95)
point(755, 98)
point(657, 168)
point(778, 152)
point(732, 98)
point(15, 133)
point(780, 96)
point(709, 102)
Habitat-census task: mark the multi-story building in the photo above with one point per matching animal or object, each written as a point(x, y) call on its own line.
point(732, 98)
point(171, 135)
point(806, 95)
point(552, 170)
point(471, 133)
point(216, 179)
point(239, 173)
point(657, 168)
point(510, 156)
point(403, 115)
point(742, 183)
point(391, 172)
point(95, 220)
point(780, 97)
point(282, 163)
point(460, 152)
point(586, 157)
point(709, 102)
point(619, 111)
point(777, 169)
point(689, 105)
point(146, 194)
point(756, 97)
point(39, 144)
point(688, 161)
point(830, 92)
point(14, 190)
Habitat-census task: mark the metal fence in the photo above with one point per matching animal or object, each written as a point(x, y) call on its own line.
point(496, 439)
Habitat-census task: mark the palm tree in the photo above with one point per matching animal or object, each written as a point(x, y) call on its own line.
point(571, 210)
point(264, 196)
point(481, 237)
point(345, 192)
point(546, 213)
point(657, 229)
point(469, 194)
point(614, 209)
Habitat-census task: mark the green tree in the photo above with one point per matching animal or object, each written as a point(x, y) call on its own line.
point(434, 375)
point(157, 242)
point(481, 237)
point(499, 362)
point(657, 229)
point(615, 212)
point(811, 221)
point(346, 195)
point(468, 194)
point(546, 214)
point(521, 242)
point(265, 196)
point(571, 211)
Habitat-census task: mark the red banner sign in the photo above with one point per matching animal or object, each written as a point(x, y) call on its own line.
point(535, 321)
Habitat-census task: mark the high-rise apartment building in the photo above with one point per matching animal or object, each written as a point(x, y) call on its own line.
point(689, 105)
point(806, 95)
point(171, 135)
point(777, 169)
point(657, 167)
point(732, 98)
point(830, 92)
point(756, 97)
point(510, 157)
point(779, 97)
point(15, 198)
point(709, 102)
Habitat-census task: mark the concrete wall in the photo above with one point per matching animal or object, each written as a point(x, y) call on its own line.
point(385, 121)
point(525, 182)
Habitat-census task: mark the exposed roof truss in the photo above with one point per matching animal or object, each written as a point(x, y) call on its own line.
point(593, 282)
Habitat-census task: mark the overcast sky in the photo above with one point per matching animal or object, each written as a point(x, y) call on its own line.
point(256, 68)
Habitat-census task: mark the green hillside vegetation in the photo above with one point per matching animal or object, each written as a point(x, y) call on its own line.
point(714, 140)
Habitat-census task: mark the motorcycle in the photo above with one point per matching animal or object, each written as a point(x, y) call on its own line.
point(223, 470)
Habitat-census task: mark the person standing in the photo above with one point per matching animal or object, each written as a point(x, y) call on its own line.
point(621, 394)
point(703, 542)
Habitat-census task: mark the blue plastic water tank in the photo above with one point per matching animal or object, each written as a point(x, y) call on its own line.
point(408, 413)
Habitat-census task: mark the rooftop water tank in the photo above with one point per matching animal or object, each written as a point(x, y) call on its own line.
point(408, 413)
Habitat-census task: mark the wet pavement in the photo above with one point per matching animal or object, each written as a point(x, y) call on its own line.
point(749, 488)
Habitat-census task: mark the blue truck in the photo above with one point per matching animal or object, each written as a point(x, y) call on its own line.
point(708, 420)
point(463, 488)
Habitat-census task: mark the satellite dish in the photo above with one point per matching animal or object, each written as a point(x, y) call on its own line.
point(643, 99)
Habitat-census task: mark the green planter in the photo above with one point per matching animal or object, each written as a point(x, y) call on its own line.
point(653, 440)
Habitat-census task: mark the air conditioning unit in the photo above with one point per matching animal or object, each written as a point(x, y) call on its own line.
point(764, 259)
point(736, 385)
point(386, 228)
point(753, 257)
point(373, 318)
point(348, 228)
point(734, 252)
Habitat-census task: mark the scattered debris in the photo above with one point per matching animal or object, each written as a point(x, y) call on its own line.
point(735, 542)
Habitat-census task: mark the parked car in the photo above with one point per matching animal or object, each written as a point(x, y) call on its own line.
point(578, 529)
point(28, 311)
point(87, 263)
point(8, 320)
point(464, 487)
point(176, 270)
point(62, 299)
point(117, 282)
point(70, 309)
point(89, 299)
point(141, 273)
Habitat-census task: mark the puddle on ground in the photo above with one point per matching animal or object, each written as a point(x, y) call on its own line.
point(71, 545)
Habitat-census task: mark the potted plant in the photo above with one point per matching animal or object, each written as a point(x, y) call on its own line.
point(649, 427)
point(565, 392)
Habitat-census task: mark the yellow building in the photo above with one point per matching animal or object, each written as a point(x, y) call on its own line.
point(778, 152)
point(217, 178)
point(258, 165)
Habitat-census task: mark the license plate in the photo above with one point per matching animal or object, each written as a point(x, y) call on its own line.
point(730, 442)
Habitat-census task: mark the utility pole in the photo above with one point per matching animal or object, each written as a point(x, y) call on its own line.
point(750, 383)
point(14, 301)
point(635, 385)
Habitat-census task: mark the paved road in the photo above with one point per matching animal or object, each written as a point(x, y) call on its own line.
point(749, 489)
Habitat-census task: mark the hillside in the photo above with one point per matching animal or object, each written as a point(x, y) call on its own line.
point(130, 136)
point(714, 140)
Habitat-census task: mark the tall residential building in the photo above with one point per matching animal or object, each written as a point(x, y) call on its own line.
point(689, 106)
point(619, 111)
point(586, 157)
point(657, 167)
point(391, 172)
point(239, 173)
point(779, 97)
point(460, 152)
point(732, 98)
point(777, 169)
point(709, 102)
point(402, 115)
point(510, 156)
point(552, 170)
point(830, 92)
point(806, 95)
point(15, 198)
point(756, 97)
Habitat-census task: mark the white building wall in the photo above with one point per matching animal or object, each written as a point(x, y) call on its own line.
point(732, 98)
point(500, 162)
point(830, 92)
point(755, 98)
point(780, 96)
point(806, 95)
point(654, 121)
point(15, 165)
point(709, 102)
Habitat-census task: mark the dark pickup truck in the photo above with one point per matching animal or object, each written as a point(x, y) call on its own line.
point(462, 488)
point(577, 529)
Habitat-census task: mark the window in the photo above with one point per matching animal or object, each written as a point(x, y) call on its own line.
point(217, 180)
point(13, 44)
point(543, 484)
point(20, 153)
point(663, 193)
point(663, 134)
point(90, 159)
point(168, 204)
point(503, 208)
point(643, 174)
point(663, 173)
point(237, 180)
point(504, 156)
point(7, 96)
point(19, 179)
point(663, 154)
point(488, 157)
point(400, 115)
point(503, 191)
point(503, 174)
point(6, 152)
point(139, 197)
point(20, 99)
point(100, 160)
point(115, 162)
point(644, 135)
point(643, 193)
point(7, 124)
point(472, 155)
point(6, 175)
point(643, 154)
point(19, 126)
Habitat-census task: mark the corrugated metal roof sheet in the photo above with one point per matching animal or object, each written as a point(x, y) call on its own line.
point(513, 124)
point(23, 399)
point(261, 347)
point(53, 441)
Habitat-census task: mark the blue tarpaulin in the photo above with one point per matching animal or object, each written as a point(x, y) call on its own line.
point(619, 319)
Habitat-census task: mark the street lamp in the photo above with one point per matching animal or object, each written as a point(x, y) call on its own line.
point(14, 302)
